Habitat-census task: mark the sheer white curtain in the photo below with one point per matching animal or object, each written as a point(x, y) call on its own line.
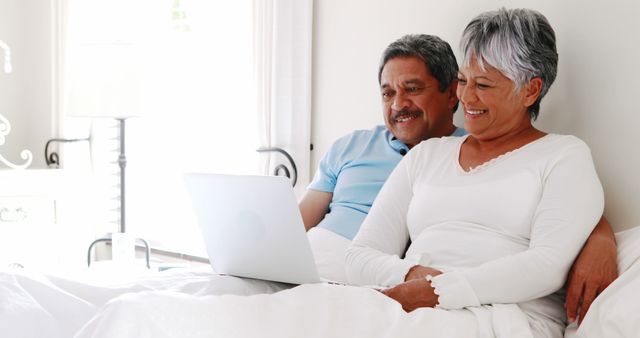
point(222, 80)
point(282, 35)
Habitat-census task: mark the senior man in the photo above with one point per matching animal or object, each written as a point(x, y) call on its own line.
point(418, 101)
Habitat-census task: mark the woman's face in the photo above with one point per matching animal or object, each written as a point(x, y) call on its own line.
point(492, 109)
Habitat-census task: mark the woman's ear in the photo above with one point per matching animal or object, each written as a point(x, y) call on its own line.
point(532, 91)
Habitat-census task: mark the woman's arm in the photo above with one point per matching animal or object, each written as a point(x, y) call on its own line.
point(374, 257)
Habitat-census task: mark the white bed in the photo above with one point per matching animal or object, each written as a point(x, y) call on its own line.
point(179, 303)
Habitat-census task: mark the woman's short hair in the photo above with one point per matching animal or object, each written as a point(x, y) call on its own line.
point(436, 54)
point(520, 43)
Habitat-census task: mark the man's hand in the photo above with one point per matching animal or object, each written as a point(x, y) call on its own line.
point(594, 269)
point(420, 272)
point(413, 294)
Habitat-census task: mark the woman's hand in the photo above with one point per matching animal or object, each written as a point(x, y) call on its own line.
point(420, 272)
point(413, 294)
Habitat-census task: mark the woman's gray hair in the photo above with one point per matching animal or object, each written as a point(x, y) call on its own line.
point(436, 54)
point(519, 43)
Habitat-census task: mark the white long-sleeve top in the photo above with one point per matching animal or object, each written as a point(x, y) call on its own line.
point(505, 232)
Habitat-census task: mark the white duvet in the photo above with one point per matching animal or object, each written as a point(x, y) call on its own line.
point(181, 304)
point(38, 306)
point(305, 311)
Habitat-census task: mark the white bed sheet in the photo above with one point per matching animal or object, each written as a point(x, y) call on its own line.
point(34, 305)
point(179, 303)
point(318, 310)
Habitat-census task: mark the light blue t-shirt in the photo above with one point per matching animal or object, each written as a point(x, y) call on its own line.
point(354, 170)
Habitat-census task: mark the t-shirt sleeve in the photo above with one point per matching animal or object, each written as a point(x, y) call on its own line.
point(326, 175)
point(572, 201)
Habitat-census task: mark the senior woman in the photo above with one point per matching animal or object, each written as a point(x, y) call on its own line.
point(502, 214)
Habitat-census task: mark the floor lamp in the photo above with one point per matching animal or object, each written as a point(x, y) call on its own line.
point(104, 83)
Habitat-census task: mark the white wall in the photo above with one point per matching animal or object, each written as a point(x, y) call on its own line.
point(26, 98)
point(595, 95)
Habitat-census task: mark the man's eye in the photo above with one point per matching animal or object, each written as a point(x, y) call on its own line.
point(413, 89)
point(386, 95)
point(462, 82)
point(483, 86)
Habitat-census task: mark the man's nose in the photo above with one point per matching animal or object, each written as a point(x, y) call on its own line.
point(400, 102)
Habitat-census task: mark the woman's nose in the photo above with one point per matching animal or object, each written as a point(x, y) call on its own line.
point(466, 94)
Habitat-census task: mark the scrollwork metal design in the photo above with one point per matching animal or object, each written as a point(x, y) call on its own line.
point(293, 174)
point(5, 126)
point(5, 129)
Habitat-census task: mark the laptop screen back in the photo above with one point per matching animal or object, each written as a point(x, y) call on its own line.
point(252, 227)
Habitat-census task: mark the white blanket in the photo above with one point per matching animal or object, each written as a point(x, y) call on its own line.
point(180, 304)
point(318, 310)
point(36, 306)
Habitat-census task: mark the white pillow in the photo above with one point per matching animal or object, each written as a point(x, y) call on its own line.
point(628, 247)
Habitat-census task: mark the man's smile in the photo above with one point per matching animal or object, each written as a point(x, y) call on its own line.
point(406, 116)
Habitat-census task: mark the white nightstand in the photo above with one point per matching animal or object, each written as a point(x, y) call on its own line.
point(37, 228)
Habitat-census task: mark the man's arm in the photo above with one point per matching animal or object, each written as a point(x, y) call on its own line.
point(313, 206)
point(594, 269)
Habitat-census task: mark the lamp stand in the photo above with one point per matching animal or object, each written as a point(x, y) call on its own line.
point(122, 163)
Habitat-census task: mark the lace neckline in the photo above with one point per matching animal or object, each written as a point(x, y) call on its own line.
point(493, 161)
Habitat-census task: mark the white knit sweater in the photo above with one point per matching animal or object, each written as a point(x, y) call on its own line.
point(505, 232)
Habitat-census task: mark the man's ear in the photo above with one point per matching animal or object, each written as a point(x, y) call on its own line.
point(451, 90)
point(532, 91)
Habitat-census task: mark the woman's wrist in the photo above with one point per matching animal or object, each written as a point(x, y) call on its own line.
point(433, 290)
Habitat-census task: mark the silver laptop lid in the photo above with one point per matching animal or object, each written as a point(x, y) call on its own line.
point(252, 227)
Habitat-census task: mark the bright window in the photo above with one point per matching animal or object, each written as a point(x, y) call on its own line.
point(221, 79)
point(204, 120)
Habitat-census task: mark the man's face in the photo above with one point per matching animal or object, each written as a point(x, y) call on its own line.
point(414, 108)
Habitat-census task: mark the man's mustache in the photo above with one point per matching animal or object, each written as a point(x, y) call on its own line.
point(406, 113)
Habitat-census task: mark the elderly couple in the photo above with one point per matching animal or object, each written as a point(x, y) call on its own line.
point(497, 214)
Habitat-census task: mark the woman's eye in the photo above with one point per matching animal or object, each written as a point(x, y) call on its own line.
point(483, 86)
point(462, 81)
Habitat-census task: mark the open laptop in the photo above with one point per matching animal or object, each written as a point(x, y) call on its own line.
point(252, 227)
